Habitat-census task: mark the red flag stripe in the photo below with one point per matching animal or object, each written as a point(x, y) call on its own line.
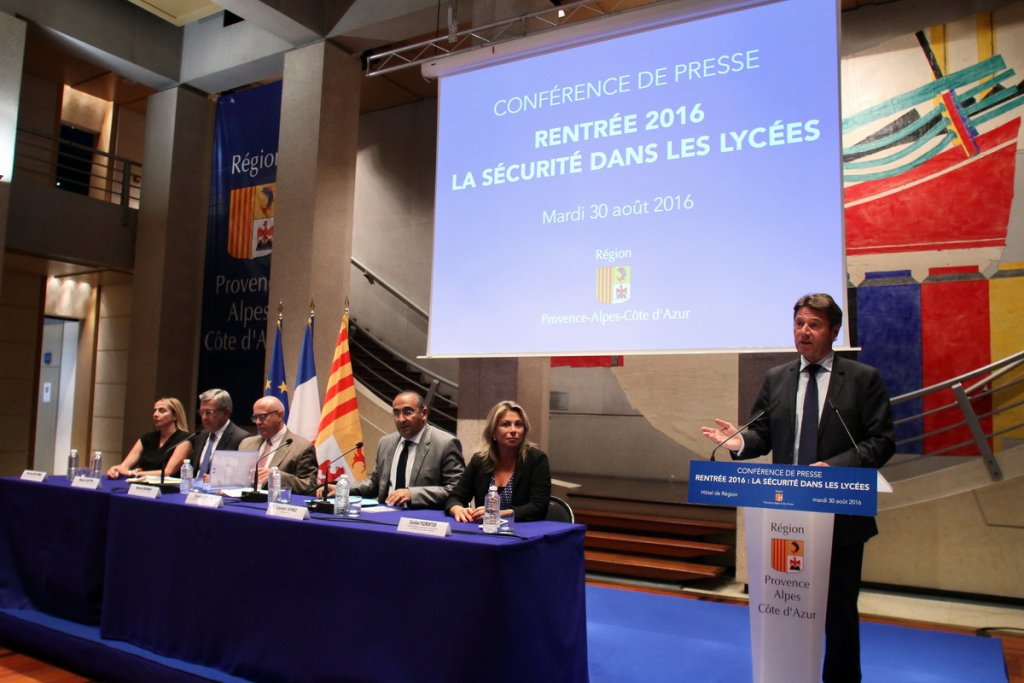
point(337, 413)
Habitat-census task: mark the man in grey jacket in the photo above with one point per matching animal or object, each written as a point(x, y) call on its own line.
point(418, 465)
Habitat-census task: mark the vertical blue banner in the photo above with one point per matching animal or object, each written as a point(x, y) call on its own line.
point(239, 240)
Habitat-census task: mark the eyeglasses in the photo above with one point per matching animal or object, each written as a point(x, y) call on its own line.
point(260, 417)
point(207, 412)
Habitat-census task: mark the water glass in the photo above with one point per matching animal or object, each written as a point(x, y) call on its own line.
point(507, 524)
point(285, 496)
point(355, 506)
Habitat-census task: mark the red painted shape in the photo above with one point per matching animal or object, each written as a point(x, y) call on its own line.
point(955, 338)
point(587, 361)
point(949, 202)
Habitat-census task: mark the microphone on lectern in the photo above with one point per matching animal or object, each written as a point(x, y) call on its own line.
point(846, 429)
point(768, 409)
point(322, 505)
point(257, 496)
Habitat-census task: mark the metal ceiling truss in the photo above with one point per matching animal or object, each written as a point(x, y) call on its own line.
point(379, 63)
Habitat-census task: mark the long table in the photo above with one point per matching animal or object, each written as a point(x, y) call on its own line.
point(321, 599)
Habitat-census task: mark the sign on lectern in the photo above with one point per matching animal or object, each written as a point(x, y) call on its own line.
point(788, 511)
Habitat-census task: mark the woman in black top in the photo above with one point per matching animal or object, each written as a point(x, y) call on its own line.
point(150, 451)
point(518, 469)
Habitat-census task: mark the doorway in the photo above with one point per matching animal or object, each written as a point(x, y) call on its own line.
point(56, 394)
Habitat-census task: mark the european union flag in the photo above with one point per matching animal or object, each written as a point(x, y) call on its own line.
point(277, 384)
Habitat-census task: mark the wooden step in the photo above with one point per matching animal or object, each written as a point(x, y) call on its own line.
point(651, 568)
point(672, 526)
point(652, 545)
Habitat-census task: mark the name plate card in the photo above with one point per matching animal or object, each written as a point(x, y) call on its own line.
point(33, 475)
point(91, 483)
point(204, 500)
point(840, 490)
point(287, 511)
point(424, 527)
point(143, 491)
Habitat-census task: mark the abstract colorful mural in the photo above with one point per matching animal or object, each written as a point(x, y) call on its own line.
point(931, 135)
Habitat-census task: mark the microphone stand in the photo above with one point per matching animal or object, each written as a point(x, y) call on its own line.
point(771, 406)
point(846, 429)
point(322, 505)
point(169, 451)
point(257, 496)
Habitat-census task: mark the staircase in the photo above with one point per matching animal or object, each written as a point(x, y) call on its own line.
point(387, 374)
point(656, 548)
point(644, 529)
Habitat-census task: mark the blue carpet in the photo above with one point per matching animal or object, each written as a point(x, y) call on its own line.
point(79, 647)
point(632, 637)
point(641, 637)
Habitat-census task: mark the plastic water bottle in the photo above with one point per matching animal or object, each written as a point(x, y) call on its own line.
point(96, 471)
point(492, 510)
point(341, 495)
point(274, 487)
point(72, 463)
point(186, 477)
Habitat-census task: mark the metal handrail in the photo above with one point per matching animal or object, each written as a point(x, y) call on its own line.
point(1005, 365)
point(119, 182)
point(408, 379)
point(375, 279)
point(398, 354)
point(985, 377)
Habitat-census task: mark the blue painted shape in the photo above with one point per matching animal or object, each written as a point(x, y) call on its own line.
point(889, 334)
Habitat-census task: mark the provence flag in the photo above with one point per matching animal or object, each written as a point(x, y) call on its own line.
point(340, 428)
point(276, 384)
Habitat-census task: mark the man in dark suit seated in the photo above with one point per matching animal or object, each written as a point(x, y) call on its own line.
point(219, 432)
point(296, 460)
point(820, 383)
point(418, 465)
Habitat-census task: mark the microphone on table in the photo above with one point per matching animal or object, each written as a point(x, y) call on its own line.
point(846, 429)
point(322, 505)
point(257, 496)
point(768, 409)
point(168, 452)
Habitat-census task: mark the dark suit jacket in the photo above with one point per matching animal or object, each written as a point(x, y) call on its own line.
point(437, 467)
point(297, 461)
point(531, 485)
point(859, 394)
point(229, 441)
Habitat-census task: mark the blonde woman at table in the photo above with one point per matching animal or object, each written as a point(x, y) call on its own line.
point(150, 451)
point(518, 469)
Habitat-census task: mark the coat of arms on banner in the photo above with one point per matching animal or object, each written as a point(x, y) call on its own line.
point(251, 221)
point(613, 284)
point(787, 555)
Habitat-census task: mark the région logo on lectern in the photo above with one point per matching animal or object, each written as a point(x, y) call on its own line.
point(787, 555)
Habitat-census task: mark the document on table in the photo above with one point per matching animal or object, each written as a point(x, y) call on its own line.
point(232, 469)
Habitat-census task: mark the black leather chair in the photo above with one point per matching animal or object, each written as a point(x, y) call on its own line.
point(559, 511)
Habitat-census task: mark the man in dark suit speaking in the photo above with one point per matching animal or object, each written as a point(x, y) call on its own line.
point(418, 465)
point(801, 427)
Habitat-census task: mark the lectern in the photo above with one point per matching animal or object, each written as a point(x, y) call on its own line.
point(788, 511)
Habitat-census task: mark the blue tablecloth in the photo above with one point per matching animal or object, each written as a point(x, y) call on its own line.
point(322, 599)
point(53, 547)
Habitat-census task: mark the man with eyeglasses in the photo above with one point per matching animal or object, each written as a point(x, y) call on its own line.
point(418, 465)
point(296, 460)
point(219, 432)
